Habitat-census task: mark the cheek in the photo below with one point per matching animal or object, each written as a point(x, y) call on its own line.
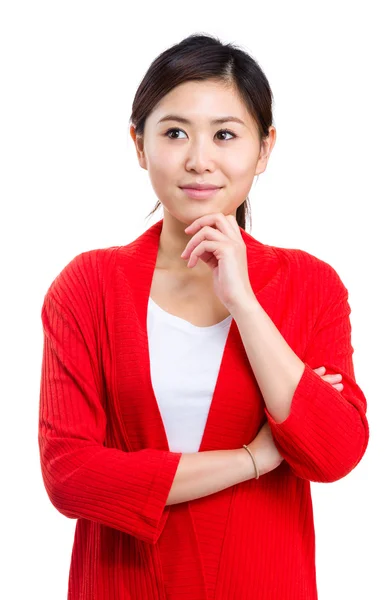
point(238, 164)
point(239, 169)
point(162, 168)
point(163, 175)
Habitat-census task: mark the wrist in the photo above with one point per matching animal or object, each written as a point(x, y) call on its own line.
point(250, 453)
point(246, 467)
point(244, 307)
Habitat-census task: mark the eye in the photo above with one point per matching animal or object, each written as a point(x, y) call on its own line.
point(173, 129)
point(227, 131)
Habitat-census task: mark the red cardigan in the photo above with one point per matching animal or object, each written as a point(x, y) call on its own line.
point(104, 454)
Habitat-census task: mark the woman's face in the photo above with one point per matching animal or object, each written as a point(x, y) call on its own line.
point(177, 153)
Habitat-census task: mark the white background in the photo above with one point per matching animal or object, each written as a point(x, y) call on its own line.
point(71, 182)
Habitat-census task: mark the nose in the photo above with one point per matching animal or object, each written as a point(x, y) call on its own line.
point(200, 157)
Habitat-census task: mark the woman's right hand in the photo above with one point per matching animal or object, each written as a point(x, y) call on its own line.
point(263, 446)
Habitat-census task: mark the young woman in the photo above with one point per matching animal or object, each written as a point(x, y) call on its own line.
point(195, 381)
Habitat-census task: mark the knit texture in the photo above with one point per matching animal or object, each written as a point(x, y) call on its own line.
point(104, 454)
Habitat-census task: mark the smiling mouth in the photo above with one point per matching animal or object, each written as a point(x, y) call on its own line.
point(187, 187)
point(197, 194)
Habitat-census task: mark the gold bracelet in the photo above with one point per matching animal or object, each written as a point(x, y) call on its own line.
point(253, 459)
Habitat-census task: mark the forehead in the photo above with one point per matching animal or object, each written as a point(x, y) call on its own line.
point(201, 101)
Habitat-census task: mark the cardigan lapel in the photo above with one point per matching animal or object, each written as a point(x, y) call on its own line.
point(234, 417)
point(237, 406)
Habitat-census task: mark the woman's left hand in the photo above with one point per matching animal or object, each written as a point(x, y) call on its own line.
point(217, 240)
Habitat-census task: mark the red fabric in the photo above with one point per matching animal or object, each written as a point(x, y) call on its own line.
point(104, 454)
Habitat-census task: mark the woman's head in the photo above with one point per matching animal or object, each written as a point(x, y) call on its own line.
point(201, 79)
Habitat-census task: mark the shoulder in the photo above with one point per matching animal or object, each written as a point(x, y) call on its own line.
point(312, 273)
point(84, 275)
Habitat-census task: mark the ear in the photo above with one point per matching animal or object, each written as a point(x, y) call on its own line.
point(139, 147)
point(267, 145)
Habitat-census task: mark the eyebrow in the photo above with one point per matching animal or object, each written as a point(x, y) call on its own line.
point(213, 122)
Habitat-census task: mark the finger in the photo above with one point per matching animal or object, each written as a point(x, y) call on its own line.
point(206, 246)
point(338, 386)
point(332, 377)
point(319, 369)
point(217, 220)
point(207, 233)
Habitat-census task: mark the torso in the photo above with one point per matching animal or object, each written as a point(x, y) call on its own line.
point(188, 297)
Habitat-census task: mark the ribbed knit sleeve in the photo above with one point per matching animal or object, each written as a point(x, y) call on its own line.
point(83, 478)
point(326, 433)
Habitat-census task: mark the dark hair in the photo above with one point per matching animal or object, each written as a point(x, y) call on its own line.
point(196, 58)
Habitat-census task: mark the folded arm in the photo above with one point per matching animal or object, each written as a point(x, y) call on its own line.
point(83, 478)
point(326, 433)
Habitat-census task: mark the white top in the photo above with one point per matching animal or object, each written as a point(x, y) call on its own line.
point(184, 364)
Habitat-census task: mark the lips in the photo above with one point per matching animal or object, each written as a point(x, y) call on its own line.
point(200, 187)
point(200, 194)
